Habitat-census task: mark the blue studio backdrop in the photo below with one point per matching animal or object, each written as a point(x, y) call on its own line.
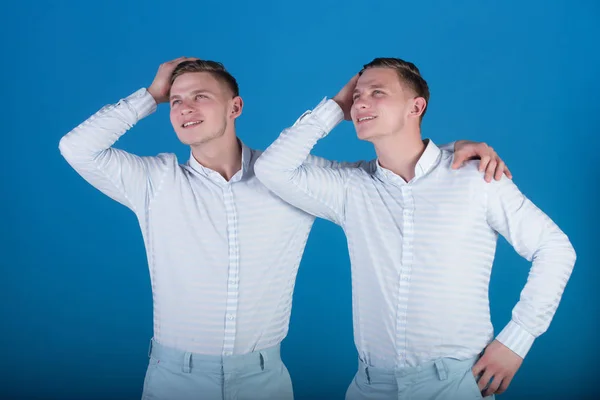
point(76, 312)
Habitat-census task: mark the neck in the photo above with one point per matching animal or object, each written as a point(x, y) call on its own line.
point(222, 155)
point(400, 152)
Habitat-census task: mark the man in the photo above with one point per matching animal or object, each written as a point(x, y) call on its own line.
point(422, 238)
point(223, 251)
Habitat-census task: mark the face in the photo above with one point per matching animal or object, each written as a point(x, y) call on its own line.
point(382, 104)
point(202, 108)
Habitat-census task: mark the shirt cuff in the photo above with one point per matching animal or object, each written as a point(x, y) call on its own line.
point(516, 338)
point(142, 102)
point(328, 113)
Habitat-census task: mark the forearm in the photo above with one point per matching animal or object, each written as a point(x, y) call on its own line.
point(314, 188)
point(289, 151)
point(550, 271)
point(122, 176)
point(99, 132)
point(538, 239)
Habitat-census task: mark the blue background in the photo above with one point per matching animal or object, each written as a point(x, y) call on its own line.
point(75, 296)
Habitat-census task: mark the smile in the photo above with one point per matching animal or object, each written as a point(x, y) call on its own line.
point(191, 123)
point(362, 119)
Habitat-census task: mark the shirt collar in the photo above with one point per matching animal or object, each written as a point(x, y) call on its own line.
point(215, 176)
point(428, 160)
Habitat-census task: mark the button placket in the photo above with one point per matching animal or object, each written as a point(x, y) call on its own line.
point(405, 272)
point(233, 271)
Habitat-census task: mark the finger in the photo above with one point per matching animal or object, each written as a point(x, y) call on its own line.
point(484, 163)
point(174, 63)
point(485, 379)
point(456, 164)
point(459, 159)
point(507, 172)
point(499, 170)
point(490, 169)
point(493, 386)
point(183, 59)
point(478, 368)
point(176, 60)
point(504, 385)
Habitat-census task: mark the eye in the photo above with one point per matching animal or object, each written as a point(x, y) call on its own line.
point(377, 92)
point(175, 102)
point(200, 96)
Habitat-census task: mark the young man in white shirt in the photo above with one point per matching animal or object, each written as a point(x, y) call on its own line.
point(223, 251)
point(421, 237)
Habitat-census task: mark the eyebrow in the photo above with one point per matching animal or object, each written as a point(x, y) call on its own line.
point(194, 92)
point(372, 86)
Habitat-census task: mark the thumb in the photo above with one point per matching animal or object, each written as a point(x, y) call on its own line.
point(461, 156)
point(457, 161)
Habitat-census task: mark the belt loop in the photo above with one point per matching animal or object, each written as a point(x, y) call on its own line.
point(367, 373)
point(441, 369)
point(262, 360)
point(187, 362)
point(150, 347)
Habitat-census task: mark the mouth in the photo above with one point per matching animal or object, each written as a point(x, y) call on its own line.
point(191, 124)
point(362, 120)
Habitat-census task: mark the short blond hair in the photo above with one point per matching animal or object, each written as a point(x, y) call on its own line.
point(215, 68)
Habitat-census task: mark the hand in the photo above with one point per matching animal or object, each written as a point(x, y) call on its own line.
point(344, 97)
point(490, 161)
point(161, 85)
point(498, 362)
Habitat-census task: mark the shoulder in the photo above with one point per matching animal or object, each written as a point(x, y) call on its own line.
point(467, 176)
point(469, 169)
point(164, 162)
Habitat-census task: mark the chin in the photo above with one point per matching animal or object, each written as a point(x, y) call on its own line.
point(370, 135)
point(363, 134)
point(189, 140)
point(193, 138)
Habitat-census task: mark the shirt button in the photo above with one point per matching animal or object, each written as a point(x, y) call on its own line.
point(230, 317)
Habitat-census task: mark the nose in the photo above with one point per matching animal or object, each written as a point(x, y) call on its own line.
point(360, 103)
point(186, 108)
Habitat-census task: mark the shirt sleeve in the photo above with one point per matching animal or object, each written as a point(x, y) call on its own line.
point(314, 185)
point(538, 239)
point(129, 179)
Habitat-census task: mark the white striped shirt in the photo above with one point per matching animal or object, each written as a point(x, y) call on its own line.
point(422, 252)
point(223, 256)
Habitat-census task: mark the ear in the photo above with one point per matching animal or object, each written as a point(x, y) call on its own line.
point(236, 109)
point(418, 107)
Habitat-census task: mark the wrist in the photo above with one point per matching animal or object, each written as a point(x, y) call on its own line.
point(157, 98)
point(339, 102)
